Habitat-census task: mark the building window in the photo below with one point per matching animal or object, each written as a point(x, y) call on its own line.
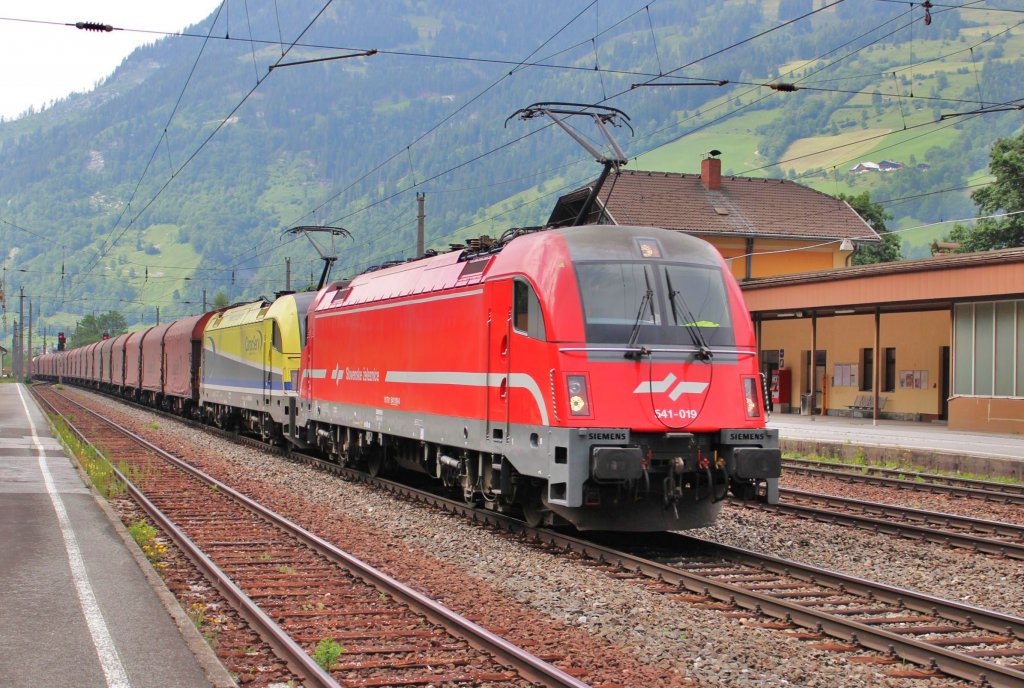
point(988, 349)
point(890, 370)
point(867, 366)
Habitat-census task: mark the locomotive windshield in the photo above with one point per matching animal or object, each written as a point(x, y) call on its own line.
point(667, 303)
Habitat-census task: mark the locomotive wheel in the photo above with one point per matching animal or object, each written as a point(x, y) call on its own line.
point(376, 463)
point(534, 512)
point(266, 429)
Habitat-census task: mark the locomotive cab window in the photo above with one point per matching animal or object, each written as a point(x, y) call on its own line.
point(654, 303)
point(526, 313)
point(275, 335)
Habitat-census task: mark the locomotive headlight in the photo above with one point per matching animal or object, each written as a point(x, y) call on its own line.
point(579, 400)
point(750, 397)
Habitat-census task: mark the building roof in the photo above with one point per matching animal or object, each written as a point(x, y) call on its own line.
point(935, 282)
point(940, 261)
point(743, 206)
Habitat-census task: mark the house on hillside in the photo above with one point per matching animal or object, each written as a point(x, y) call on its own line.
point(763, 227)
point(866, 166)
point(890, 165)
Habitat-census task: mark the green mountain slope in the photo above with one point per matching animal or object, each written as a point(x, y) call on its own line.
point(145, 192)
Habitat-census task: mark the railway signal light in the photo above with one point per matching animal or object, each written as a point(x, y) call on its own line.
point(62, 341)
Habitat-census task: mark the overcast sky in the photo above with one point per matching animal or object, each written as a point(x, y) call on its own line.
point(44, 62)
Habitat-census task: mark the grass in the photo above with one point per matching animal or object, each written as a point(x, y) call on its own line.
point(196, 613)
point(145, 537)
point(95, 464)
point(859, 459)
point(327, 652)
point(829, 158)
point(735, 136)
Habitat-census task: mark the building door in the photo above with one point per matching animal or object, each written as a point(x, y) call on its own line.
point(818, 376)
point(499, 359)
point(769, 362)
point(944, 364)
point(819, 381)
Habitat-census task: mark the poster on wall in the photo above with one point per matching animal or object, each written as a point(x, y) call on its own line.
point(914, 379)
point(844, 375)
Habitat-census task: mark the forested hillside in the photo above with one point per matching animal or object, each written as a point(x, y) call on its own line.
point(157, 186)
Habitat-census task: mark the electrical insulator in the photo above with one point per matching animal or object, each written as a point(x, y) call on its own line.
point(93, 26)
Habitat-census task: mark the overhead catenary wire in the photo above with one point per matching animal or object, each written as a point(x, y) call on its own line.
point(949, 99)
point(470, 225)
point(385, 199)
point(203, 144)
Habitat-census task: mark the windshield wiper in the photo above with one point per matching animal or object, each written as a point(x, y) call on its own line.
point(636, 354)
point(704, 352)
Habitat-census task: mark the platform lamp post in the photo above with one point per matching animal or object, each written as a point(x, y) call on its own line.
point(14, 351)
point(846, 250)
point(20, 346)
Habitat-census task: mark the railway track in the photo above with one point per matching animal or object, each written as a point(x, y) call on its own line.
point(990, 537)
point(297, 590)
point(941, 637)
point(1009, 493)
point(835, 611)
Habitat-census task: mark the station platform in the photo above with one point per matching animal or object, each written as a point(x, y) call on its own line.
point(76, 607)
point(928, 445)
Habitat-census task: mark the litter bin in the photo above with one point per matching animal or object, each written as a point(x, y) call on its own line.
point(805, 404)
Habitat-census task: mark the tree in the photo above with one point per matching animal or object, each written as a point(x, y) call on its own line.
point(1004, 195)
point(220, 300)
point(92, 328)
point(874, 214)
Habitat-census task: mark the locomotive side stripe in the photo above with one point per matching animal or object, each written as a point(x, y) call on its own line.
point(410, 302)
point(251, 363)
point(516, 380)
point(255, 388)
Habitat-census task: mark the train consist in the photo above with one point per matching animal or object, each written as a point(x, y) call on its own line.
point(596, 375)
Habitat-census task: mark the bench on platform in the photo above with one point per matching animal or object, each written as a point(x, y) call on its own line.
point(866, 402)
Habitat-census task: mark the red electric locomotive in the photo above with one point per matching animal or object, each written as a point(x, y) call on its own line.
point(604, 376)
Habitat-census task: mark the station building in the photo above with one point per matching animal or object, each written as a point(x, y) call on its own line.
point(935, 339)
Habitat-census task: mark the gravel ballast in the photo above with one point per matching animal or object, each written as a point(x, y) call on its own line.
point(617, 631)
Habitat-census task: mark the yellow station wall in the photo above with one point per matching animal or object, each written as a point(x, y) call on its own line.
point(775, 257)
point(917, 337)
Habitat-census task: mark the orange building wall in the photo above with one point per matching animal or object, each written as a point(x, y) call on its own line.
point(777, 257)
point(985, 414)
